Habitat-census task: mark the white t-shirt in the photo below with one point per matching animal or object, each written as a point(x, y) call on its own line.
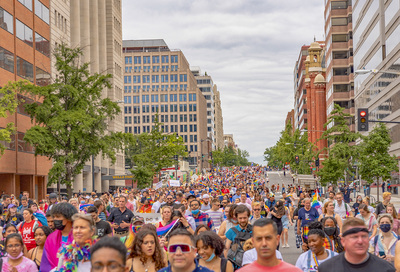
point(341, 210)
point(251, 256)
point(302, 261)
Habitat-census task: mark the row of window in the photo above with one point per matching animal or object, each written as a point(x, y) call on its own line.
point(162, 98)
point(168, 129)
point(22, 145)
point(147, 69)
point(155, 59)
point(155, 78)
point(155, 88)
point(40, 10)
point(24, 68)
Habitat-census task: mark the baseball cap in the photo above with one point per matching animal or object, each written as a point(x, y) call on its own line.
point(206, 196)
point(11, 205)
point(271, 195)
point(53, 195)
point(136, 219)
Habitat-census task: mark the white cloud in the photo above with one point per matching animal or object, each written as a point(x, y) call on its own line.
point(249, 47)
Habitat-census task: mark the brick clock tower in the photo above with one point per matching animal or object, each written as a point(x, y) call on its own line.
point(316, 96)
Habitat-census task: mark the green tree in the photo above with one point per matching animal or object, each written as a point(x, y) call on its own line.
point(290, 145)
point(231, 157)
point(8, 105)
point(151, 152)
point(376, 162)
point(342, 151)
point(72, 120)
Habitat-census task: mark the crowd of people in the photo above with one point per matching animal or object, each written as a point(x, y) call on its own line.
point(225, 220)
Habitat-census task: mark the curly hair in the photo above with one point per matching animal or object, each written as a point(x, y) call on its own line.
point(211, 239)
point(136, 250)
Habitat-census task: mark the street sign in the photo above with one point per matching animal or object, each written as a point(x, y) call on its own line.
point(120, 177)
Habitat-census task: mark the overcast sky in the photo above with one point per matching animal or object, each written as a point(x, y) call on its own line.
point(249, 47)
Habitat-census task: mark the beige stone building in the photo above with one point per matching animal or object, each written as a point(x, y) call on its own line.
point(158, 80)
point(96, 27)
point(228, 141)
point(376, 27)
point(219, 120)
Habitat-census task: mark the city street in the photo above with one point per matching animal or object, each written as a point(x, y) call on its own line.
point(290, 254)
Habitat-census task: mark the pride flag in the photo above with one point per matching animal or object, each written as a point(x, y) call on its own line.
point(315, 203)
point(163, 230)
point(82, 207)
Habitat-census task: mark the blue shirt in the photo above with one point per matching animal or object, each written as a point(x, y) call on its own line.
point(198, 268)
point(235, 197)
point(308, 216)
point(231, 234)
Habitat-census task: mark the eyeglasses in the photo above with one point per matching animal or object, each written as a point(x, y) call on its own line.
point(112, 266)
point(256, 209)
point(14, 246)
point(185, 248)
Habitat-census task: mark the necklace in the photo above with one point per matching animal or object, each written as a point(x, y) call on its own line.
point(73, 254)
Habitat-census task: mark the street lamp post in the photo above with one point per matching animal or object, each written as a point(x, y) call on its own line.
point(177, 160)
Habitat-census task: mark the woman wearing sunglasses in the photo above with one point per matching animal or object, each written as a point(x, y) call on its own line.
point(146, 253)
point(209, 247)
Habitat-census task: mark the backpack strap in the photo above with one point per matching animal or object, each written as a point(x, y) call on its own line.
point(376, 240)
point(308, 259)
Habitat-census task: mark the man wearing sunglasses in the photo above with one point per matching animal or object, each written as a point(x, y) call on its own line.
point(182, 253)
point(170, 202)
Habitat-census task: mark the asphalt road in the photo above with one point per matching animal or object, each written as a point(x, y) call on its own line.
point(290, 254)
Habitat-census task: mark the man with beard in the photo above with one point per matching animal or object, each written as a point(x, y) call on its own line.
point(170, 202)
point(103, 228)
point(236, 236)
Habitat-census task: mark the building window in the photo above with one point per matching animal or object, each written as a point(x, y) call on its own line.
point(138, 60)
point(183, 78)
point(6, 21)
point(42, 11)
point(24, 33)
point(42, 77)
point(22, 145)
point(9, 145)
point(128, 60)
point(127, 99)
point(165, 59)
point(6, 60)
point(127, 79)
point(42, 45)
point(339, 5)
point(146, 60)
point(339, 21)
point(26, 3)
point(174, 59)
point(24, 69)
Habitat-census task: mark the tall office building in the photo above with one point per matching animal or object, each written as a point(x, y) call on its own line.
point(94, 26)
point(219, 120)
point(339, 57)
point(158, 80)
point(24, 54)
point(206, 86)
point(377, 46)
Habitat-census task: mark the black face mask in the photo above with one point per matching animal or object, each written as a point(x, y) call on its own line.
point(330, 231)
point(58, 224)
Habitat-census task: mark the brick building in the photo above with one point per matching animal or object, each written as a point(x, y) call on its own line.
point(24, 54)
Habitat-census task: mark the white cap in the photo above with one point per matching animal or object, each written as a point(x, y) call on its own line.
point(206, 196)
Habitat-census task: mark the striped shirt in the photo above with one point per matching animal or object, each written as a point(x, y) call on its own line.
point(217, 217)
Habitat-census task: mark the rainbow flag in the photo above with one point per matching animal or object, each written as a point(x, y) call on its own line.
point(163, 230)
point(315, 203)
point(305, 232)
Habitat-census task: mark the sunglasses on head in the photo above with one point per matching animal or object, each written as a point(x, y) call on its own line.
point(185, 248)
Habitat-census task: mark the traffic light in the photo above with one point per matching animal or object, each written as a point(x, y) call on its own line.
point(297, 159)
point(317, 162)
point(362, 120)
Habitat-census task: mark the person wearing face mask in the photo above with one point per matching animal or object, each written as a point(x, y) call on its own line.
point(15, 260)
point(384, 244)
point(209, 248)
point(332, 239)
point(62, 214)
point(200, 217)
